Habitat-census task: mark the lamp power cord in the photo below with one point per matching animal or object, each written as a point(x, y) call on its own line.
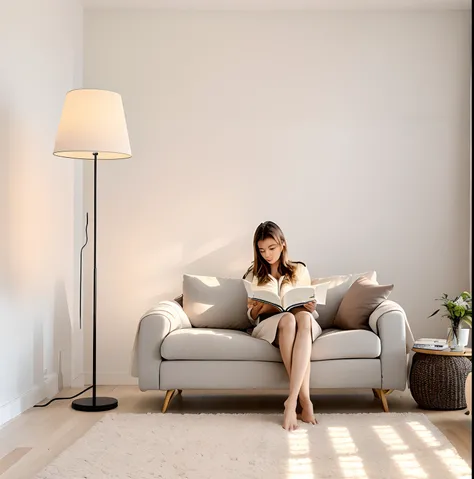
point(80, 315)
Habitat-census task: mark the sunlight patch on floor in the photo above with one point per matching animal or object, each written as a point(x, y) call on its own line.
point(409, 466)
point(342, 440)
point(457, 466)
point(300, 465)
point(352, 467)
point(390, 438)
point(351, 464)
point(424, 434)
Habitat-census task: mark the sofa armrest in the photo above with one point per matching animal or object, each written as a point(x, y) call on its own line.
point(389, 322)
point(153, 328)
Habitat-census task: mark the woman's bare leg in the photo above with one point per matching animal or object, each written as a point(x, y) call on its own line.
point(286, 338)
point(307, 415)
point(300, 362)
point(304, 396)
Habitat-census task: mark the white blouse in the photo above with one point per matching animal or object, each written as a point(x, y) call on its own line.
point(302, 278)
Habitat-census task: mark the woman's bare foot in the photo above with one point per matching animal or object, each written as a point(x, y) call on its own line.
point(307, 414)
point(290, 422)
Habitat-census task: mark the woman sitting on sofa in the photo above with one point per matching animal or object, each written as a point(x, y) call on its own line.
point(292, 332)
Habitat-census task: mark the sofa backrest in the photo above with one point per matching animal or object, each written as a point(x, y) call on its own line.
point(339, 285)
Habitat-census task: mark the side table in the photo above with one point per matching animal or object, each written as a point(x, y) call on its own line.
point(438, 378)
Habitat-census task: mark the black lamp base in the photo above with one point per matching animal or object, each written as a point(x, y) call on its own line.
point(89, 405)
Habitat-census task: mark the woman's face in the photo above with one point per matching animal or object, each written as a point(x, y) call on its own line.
point(270, 250)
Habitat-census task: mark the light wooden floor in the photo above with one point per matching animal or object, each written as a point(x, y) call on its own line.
point(30, 441)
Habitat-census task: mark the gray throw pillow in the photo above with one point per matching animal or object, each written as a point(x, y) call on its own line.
point(211, 302)
point(359, 303)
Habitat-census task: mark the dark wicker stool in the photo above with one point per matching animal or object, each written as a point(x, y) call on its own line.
point(437, 379)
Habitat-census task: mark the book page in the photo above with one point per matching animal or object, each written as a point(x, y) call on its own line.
point(300, 295)
point(261, 294)
point(320, 292)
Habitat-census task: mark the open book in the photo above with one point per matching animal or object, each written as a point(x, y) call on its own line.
point(292, 298)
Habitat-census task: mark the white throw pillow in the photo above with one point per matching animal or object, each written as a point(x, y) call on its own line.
point(338, 287)
point(211, 302)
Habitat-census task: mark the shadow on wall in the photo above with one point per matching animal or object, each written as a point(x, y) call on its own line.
point(217, 256)
point(62, 344)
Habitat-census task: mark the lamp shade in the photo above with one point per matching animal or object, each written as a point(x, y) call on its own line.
point(92, 121)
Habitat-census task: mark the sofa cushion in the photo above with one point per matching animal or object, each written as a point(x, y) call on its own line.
point(354, 344)
point(211, 302)
point(359, 303)
point(206, 344)
point(216, 344)
point(338, 287)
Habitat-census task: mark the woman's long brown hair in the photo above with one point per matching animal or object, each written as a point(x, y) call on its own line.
point(261, 269)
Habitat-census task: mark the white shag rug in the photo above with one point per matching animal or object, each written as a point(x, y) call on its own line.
point(254, 446)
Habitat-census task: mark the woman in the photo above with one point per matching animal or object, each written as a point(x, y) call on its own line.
point(292, 332)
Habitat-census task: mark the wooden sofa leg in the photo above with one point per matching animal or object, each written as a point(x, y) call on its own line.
point(168, 398)
point(387, 392)
point(382, 395)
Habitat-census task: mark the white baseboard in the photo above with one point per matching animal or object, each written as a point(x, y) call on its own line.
point(47, 389)
point(112, 379)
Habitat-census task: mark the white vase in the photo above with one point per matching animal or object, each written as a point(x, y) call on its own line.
point(459, 341)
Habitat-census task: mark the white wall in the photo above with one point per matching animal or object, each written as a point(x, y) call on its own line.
point(350, 130)
point(40, 197)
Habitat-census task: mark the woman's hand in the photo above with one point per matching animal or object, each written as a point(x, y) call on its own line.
point(259, 308)
point(310, 306)
point(269, 309)
point(253, 303)
point(307, 307)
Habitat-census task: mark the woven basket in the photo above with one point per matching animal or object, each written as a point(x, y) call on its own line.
point(438, 382)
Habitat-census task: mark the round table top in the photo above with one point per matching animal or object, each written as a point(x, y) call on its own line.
point(466, 353)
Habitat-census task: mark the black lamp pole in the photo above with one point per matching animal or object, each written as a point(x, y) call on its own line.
point(94, 403)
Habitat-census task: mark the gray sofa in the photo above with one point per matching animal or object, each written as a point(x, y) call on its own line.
point(172, 355)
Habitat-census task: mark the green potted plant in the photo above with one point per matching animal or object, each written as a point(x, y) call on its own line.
point(458, 311)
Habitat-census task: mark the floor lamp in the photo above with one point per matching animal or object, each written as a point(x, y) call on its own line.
point(93, 127)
